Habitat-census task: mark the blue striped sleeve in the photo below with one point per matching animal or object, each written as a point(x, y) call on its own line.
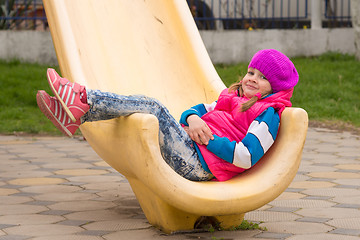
point(222, 147)
point(199, 110)
point(259, 138)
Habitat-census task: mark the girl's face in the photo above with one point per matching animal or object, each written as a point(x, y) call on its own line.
point(255, 82)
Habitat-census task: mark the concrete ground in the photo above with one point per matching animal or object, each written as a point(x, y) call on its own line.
point(55, 188)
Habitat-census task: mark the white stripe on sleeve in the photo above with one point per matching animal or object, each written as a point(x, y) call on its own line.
point(261, 131)
point(210, 107)
point(242, 156)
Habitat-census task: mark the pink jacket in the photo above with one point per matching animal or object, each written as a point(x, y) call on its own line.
point(226, 120)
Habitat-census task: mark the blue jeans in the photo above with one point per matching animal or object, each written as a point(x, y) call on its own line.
point(176, 146)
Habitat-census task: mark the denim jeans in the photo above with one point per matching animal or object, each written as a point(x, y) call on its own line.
point(176, 146)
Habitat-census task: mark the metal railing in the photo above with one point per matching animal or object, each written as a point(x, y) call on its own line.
point(247, 14)
point(266, 14)
point(208, 14)
point(337, 13)
point(22, 14)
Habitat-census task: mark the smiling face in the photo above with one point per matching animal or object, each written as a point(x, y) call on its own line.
point(255, 82)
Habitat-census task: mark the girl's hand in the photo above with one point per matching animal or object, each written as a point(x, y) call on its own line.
point(198, 130)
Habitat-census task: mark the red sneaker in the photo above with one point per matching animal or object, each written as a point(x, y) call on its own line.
point(52, 109)
point(68, 94)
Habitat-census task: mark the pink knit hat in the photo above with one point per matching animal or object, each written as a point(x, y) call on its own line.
point(277, 68)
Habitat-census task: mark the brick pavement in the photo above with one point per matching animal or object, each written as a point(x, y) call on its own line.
point(55, 188)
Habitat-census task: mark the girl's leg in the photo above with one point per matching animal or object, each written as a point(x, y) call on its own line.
point(176, 146)
point(51, 107)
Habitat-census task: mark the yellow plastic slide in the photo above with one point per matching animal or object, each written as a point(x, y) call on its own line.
point(153, 47)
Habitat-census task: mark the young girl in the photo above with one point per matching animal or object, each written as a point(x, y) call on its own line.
point(217, 140)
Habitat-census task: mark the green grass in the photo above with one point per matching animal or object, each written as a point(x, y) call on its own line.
point(328, 90)
point(19, 113)
point(246, 225)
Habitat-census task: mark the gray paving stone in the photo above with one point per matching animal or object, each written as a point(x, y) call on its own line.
point(317, 197)
point(74, 222)
point(346, 199)
point(273, 235)
point(73, 183)
point(332, 205)
point(312, 219)
point(48, 169)
point(55, 212)
point(355, 206)
point(113, 174)
point(321, 179)
point(41, 203)
point(94, 233)
point(43, 189)
point(282, 209)
point(14, 237)
point(294, 189)
point(42, 230)
point(119, 225)
point(332, 192)
point(355, 182)
point(58, 176)
point(324, 164)
point(8, 209)
point(346, 223)
point(10, 186)
point(82, 205)
point(25, 194)
point(348, 170)
point(139, 216)
point(348, 186)
point(100, 168)
point(266, 216)
point(14, 199)
point(353, 232)
point(2, 226)
point(69, 237)
point(296, 227)
point(334, 213)
point(301, 203)
point(30, 219)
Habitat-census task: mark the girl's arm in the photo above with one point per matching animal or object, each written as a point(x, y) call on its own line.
point(197, 129)
point(259, 138)
point(198, 110)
